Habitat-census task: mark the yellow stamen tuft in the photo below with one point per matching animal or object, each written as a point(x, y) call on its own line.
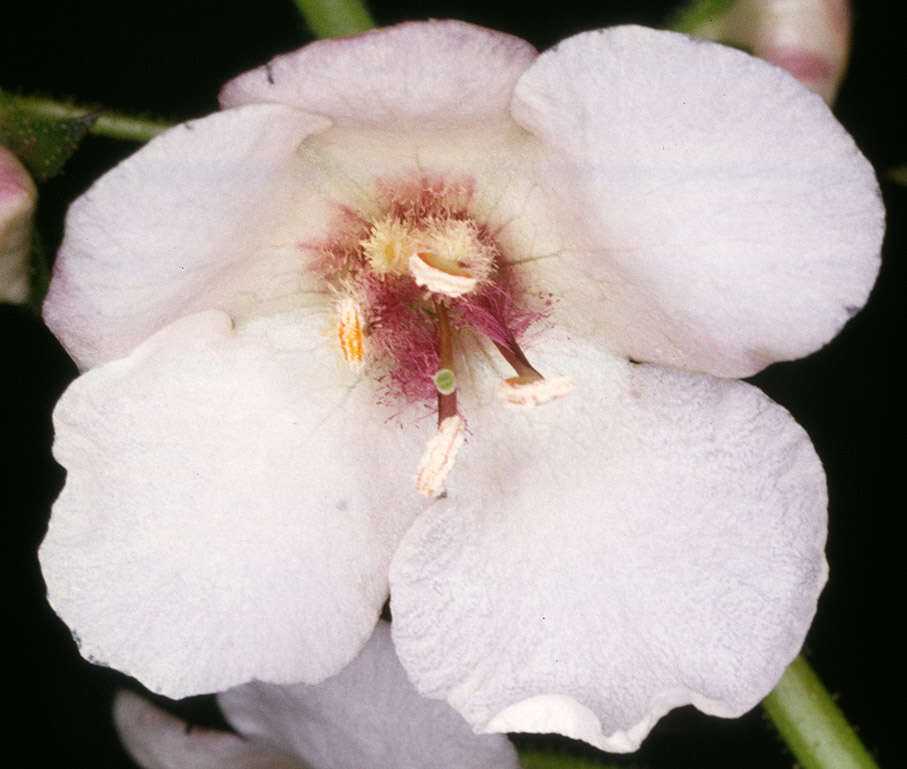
point(388, 247)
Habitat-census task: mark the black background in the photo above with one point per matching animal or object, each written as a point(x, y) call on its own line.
point(169, 60)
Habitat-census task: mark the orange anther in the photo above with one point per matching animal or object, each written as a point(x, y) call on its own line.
point(349, 333)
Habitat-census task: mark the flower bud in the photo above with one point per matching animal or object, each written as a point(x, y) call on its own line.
point(808, 38)
point(17, 205)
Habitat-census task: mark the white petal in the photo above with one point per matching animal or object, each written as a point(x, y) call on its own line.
point(232, 502)
point(439, 71)
point(157, 740)
point(17, 205)
point(720, 218)
point(366, 717)
point(208, 215)
point(651, 540)
point(227, 213)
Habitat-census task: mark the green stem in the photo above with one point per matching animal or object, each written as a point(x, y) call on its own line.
point(538, 759)
point(110, 124)
point(335, 18)
point(812, 725)
point(898, 174)
point(696, 13)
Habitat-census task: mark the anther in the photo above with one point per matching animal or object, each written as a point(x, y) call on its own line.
point(439, 280)
point(349, 333)
point(528, 392)
point(529, 388)
point(439, 457)
point(387, 247)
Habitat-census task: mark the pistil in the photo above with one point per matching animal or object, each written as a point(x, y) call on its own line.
point(447, 397)
point(441, 450)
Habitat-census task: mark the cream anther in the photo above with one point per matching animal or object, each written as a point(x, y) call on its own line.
point(438, 280)
point(438, 459)
point(521, 393)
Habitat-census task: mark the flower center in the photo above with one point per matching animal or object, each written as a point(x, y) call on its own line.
point(406, 286)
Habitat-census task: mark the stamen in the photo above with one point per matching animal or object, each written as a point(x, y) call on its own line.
point(387, 247)
point(529, 388)
point(454, 245)
point(439, 280)
point(439, 457)
point(517, 359)
point(349, 333)
point(523, 393)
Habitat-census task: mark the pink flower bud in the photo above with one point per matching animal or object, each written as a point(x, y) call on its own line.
point(17, 204)
point(808, 38)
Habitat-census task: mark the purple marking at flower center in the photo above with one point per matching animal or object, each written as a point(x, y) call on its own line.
point(406, 324)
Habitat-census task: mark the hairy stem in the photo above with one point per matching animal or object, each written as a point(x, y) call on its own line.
point(111, 124)
point(335, 18)
point(812, 725)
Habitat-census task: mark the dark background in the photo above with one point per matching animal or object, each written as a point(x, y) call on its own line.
point(169, 60)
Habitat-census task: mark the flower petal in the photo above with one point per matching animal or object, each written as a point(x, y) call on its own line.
point(368, 716)
point(721, 218)
point(232, 502)
point(440, 71)
point(207, 215)
point(652, 540)
point(157, 740)
point(228, 213)
point(17, 205)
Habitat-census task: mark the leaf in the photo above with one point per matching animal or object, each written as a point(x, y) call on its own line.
point(43, 144)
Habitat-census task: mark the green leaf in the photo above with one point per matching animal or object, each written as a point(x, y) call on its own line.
point(335, 18)
point(44, 145)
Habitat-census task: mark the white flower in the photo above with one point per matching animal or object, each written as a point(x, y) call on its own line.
point(17, 206)
point(368, 716)
point(267, 365)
